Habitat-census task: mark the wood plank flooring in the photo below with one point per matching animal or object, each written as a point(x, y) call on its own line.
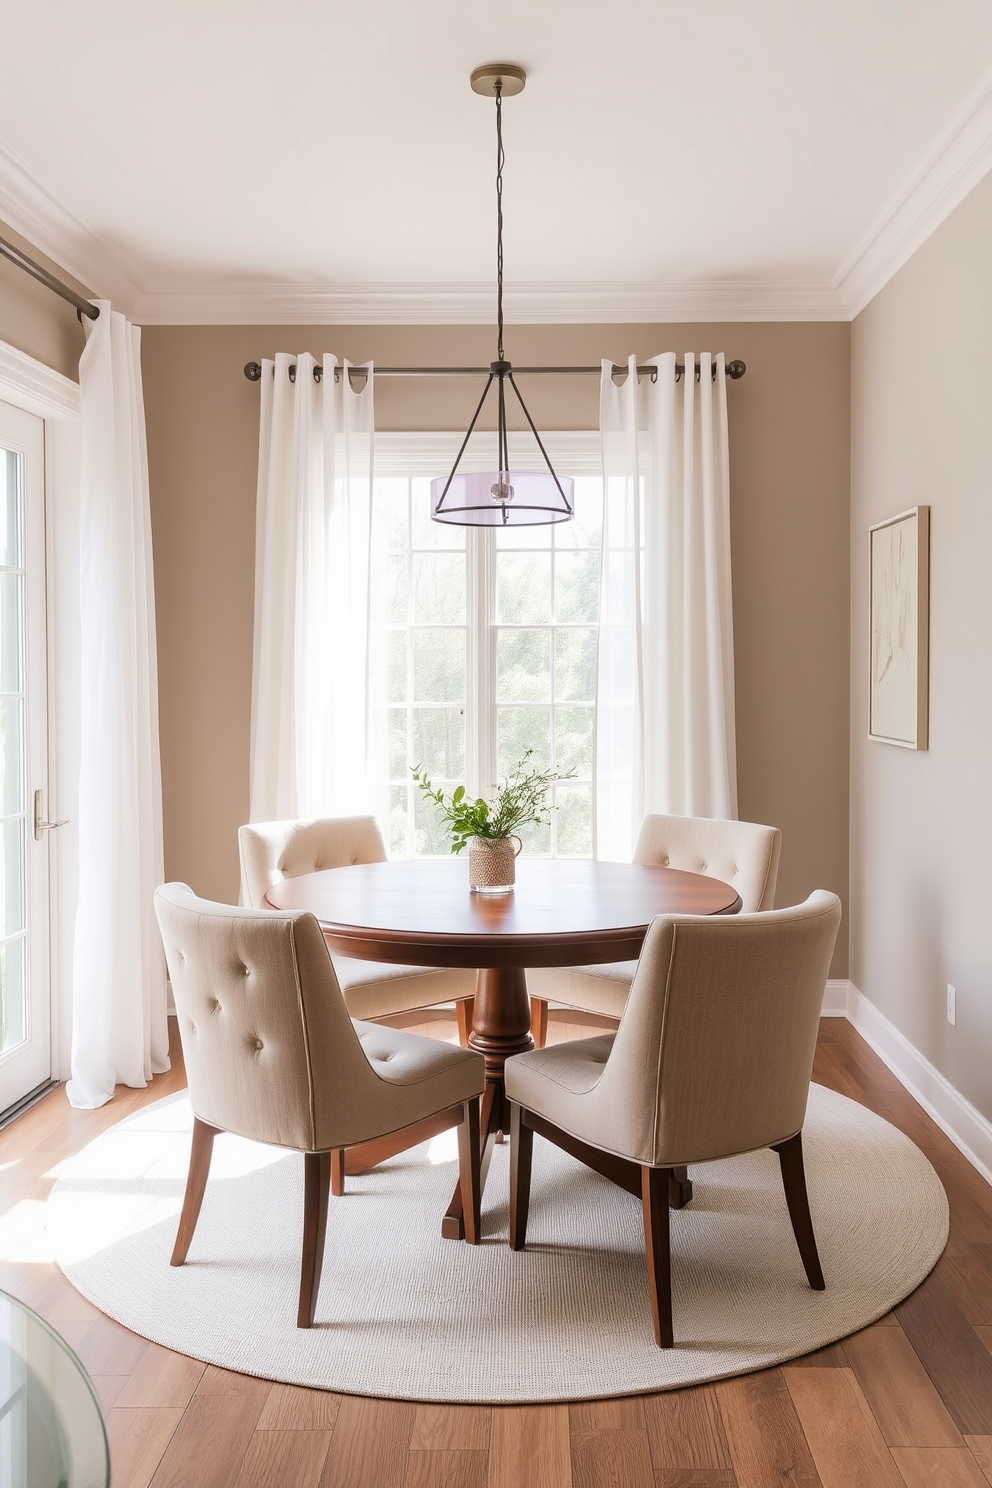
point(907, 1403)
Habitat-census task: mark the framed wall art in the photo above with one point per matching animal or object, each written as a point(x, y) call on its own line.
point(899, 611)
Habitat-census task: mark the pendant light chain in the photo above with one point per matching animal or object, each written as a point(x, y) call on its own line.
point(495, 498)
point(500, 158)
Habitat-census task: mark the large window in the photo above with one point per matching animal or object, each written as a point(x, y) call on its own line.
point(483, 646)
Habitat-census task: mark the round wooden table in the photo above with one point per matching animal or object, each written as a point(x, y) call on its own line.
point(561, 913)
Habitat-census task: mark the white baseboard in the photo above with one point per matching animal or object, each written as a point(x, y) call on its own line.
point(835, 998)
point(967, 1128)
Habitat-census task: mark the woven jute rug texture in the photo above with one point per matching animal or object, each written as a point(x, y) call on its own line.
point(405, 1314)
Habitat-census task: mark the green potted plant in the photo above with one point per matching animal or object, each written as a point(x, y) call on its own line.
point(490, 828)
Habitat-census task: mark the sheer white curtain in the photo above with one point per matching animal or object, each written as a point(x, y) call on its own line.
point(119, 1022)
point(665, 692)
point(309, 720)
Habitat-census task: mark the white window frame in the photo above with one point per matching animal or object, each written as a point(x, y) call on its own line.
point(421, 454)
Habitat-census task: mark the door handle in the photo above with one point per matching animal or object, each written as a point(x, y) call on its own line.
point(40, 825)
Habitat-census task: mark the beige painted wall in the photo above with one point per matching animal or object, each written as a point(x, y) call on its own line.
point(34, 319)
point(790, 476)
point(922, 822)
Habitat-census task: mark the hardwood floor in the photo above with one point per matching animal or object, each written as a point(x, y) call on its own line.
point(906, 1403)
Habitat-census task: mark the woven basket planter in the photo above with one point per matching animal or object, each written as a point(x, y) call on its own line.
point(492, 864)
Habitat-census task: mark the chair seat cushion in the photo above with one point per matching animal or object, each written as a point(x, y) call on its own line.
point(547, 1081)
point(561, 1084)
point(594, 989)
point(373, 989)
point(419, 1076)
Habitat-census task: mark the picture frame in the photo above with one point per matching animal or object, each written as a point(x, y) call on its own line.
point(899, 629)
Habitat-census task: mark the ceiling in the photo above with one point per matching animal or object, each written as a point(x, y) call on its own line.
point(238, 160)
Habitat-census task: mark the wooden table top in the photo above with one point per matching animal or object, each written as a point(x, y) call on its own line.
point(562, 912)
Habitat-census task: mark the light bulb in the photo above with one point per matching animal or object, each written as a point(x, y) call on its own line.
point(502, 491)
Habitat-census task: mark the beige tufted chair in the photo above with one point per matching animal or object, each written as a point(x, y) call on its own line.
point(713, 1057)
point(272, 1055)
point(272, 851)
point(740, 853)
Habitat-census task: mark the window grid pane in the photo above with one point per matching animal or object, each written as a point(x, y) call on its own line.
point(418, 681)
point(550, 712)
point(543, 627)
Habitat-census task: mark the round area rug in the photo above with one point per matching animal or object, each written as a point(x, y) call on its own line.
point(403, 1313)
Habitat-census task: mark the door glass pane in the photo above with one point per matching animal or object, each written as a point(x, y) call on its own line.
point(11, 596)
point(13, 747)
point(13, 993)
point(10, 526)
point(12, 854)
point(11, 771)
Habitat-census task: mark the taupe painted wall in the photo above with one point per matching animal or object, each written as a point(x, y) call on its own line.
point(34, 319)
point(789, 479)
point(921, 873)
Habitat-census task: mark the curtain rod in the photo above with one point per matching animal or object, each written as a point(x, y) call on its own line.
point(83, 307)
point(735, 370)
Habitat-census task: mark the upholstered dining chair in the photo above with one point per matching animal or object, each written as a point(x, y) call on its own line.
point(713, 1057)
point(272, 851)
point(272, 1054)
point(740, 853)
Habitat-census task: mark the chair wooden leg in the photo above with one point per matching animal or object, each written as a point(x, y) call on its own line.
point(196, 1182)
point(316, 1192)
point(521, 1153)
point(337, 1172)
point(654, 1201)
point(680, 1188)
point(539, 1022)
point(790, 1156)
point(463, 1010)
point(470, 1171)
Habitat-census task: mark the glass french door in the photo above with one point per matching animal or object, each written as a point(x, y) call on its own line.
point(25, 981)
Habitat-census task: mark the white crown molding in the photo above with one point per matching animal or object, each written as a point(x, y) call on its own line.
point(29, 384)
point(475, 304)
point(952, 166)
point(37, 215)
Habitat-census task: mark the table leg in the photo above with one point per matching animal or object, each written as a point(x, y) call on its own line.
point(500, 1027)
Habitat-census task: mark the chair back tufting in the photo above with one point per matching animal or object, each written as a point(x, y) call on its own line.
point(740, 853)
point(270, 1050)
point(272, 851)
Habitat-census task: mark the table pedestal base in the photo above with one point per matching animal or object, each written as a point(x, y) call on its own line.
point(501, 1026)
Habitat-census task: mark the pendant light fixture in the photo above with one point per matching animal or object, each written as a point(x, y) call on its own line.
point(501, 497)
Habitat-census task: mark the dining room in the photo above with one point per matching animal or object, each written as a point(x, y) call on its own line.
point(484, 1313)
